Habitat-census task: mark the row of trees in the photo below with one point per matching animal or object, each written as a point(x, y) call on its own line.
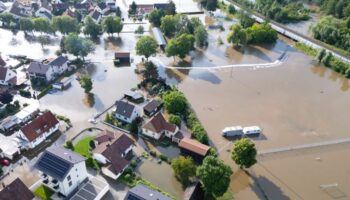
point(214, 174)
point(64, 25)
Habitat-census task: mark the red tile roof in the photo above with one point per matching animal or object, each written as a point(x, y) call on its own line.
point(194, 146)
point(122, 55)
point(158, 124)
point(39, 125)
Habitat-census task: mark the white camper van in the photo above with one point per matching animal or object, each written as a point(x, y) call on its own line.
point(251, 131)
point(233, 131)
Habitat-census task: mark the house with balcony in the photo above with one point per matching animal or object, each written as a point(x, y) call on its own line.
point(62, 170)
point(114, 151)
point(38, 130)
point(37, 70)
point(59, 65)
point(157, 127)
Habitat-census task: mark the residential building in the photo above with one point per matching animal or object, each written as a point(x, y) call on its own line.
point(193, 148)
point(62, 170)
point(142, 192)
point(2, 62)
point(8, 123)
point(96, 16)
point(7, 76)
point(125, 111)
point(114, 151)
point(134, 96)
point(59, 65)
point(9, 148)
point(27, 113)
point(43, 12)
point(16, 190)
point(19, 10)
point(36, 131)
point(152, 107)
point(41, 71)
point(158, 127)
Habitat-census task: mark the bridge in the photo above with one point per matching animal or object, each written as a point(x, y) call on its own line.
point(283, 30)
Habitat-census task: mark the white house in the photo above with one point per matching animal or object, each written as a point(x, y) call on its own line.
point(59, 65)
point(157, 127)
point(62, 170)
point(40, 71)
point(36, 131)
point(27, 112)
point(7, 76)
point(113, 150)
point(125, 111)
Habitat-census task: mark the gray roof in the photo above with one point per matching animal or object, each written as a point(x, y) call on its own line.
point(124, 108)
point(59, 61)
point(141, 192)
point(95, 14)
point(57, 162)
point(159, 36)
point(38, 68)
point(16, 10)
point(152, 105)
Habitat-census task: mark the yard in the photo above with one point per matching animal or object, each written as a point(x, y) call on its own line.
point(44, 192)
point(83, 148)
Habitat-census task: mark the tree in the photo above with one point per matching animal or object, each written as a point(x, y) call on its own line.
point(169, 24)
point(146, 46)
point(215, 176)
point(69, 145)
point(26, 24)
point(175, 119)
point(43, 40)
point(261, 33)
point(321, 54)
point(92, 144)
point(237, 35)
point(78, 46)
point(6, 97)
point(91, 28)
point(180, 46)
point(42, 25)
point(245, 20)
point(175, 102)
point(118, 12)
point(86, 83)
point(210, 5)
point(201, 36)
point(7, 18)
point(199, 133)
point(231, 9)
point(184, 168)
point(140, 30)
point(327, 59)
point(171, 8)
point(132, 9)
point(155, 16)
point(244, 153)
point(112, 25)
point(65, 24)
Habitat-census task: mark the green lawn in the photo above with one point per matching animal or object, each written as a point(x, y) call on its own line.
point(82, 147)
point(44, 192)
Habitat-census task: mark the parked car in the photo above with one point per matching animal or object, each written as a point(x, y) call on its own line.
point(4, 162)
point(234, 131)
point(252, 131)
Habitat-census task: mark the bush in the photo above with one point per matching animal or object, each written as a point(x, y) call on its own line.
point(200, 134)
point(116, 62)
point(69, 145)
point(133, 164)
point(153, 153)
point(231, 9)
point(175, 119)
point(25, 93)
point(164, 158)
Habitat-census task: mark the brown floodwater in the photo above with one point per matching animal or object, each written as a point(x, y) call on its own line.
point(296, 103)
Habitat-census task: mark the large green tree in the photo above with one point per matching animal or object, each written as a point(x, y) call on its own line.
point(91, 28)
point(26, 24)
point(7, 18)
point(175, 102)
point(169, 25)
point(155, 16)
point(86, 83)
point(215, 176)
point(146, 46)
point(237, 36)
point(65, 24)
point(42, 25)
point(184, 169)
point(201, 36)
point(78, 46)
point(180, 45)
point(261, 33)
point(244, 153)
point(112, 25)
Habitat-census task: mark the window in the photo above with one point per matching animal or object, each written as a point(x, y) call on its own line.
point(70, 183)
point(68, 178)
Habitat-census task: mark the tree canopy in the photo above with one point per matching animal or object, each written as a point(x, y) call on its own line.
point(78, 46)
point(215, 176)
point(155, 16)
point(146, 46)
point(86, 83)
point(244, 153)
point(175, 102)
point(112, 25)
point(91, 28)
point(65, 24)
point(184, 168)
point(180, 45)
point(26, 24)
point(237, 35)
point(42, 25)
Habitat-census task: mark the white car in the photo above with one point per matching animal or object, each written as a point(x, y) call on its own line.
point(252, 131)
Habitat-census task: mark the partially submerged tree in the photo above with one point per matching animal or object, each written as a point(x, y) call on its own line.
point(43, 40)
point(237, 36)
point(65, 24)
point(112, 25)
point(244, 153)
point(78, 46)
point(184, 168)
point(180, 46)
point(146, 46)
point(86, 83)
point(175, 102)
point(26, 24)
point(91, 28)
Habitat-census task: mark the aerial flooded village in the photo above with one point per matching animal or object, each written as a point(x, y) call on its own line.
point(174, 99)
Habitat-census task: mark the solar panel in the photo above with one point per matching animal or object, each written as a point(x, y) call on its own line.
point(53, 166)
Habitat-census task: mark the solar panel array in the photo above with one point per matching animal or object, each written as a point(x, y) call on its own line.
point(53, 166)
